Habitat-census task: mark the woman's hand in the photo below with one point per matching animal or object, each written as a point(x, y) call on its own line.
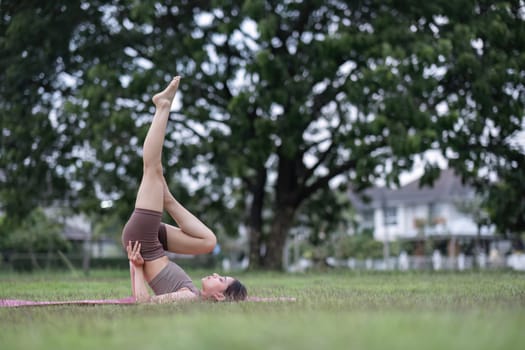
point(136, 271)
point(134, 254)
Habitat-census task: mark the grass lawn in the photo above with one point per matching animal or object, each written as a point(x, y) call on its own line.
point(334, 310)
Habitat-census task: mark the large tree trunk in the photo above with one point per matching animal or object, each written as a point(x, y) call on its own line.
point(286, 204)
point(255, 248)
point(283, 220)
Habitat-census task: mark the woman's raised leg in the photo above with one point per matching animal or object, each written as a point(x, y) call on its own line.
point(192, 236)
point(151, 191)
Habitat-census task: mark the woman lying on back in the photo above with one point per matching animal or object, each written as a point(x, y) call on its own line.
point(146, 239)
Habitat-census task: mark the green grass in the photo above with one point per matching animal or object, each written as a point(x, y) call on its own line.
point(334, 310)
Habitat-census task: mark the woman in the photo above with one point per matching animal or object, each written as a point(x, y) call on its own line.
point(146, 238)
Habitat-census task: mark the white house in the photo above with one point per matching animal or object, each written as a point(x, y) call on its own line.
point(412, 212)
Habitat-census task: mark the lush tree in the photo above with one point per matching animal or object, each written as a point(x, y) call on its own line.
point(280, 101)
point(34, 42)
point(484, 96)
point(362, 246)
point(505, 203)
point(37, 233)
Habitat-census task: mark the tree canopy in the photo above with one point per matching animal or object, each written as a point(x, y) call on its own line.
point(280, 102)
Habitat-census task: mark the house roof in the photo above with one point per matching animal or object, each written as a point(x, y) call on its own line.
point(446, 188)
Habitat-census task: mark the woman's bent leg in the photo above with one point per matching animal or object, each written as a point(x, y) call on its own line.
point(175, 240)
point(192, 236)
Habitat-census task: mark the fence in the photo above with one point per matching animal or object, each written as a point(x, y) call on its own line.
point(436, 263)
point(58, 261)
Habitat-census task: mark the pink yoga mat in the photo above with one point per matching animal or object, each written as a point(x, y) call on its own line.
point(128, 300)
point(17, 302)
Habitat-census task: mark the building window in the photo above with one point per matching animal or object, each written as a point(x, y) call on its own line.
point(368, 219)
point(432, 211)
point(434, 217)
point(390, 216)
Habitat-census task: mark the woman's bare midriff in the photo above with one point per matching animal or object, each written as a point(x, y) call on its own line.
point(153, 267)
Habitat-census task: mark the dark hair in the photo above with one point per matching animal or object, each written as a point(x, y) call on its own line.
point(236, 291)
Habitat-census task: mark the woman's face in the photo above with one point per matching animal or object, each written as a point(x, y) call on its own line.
point(215, 284)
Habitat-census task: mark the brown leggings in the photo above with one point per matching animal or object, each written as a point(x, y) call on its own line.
point(145, 225)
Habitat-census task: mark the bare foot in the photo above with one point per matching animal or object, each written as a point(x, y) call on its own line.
point(165, 97)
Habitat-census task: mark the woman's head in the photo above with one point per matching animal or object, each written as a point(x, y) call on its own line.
point(236, 291)
point(221, 288)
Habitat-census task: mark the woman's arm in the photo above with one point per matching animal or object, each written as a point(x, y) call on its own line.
point(136, 271)
point(138, 285)
point(140, 292)
point(132, 276)
point(181, 294)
